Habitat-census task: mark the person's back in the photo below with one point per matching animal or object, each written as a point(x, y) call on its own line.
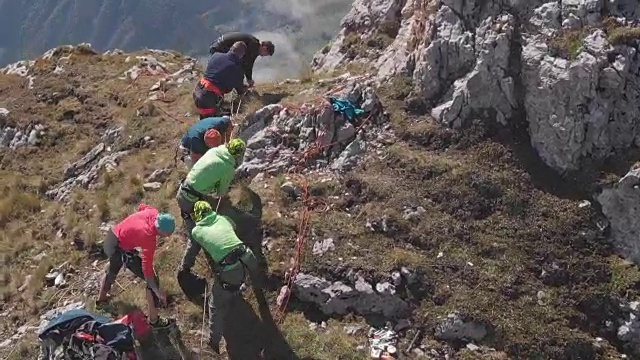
point(254, 48)
point(225, 71)
point(224, 42)
point(216, 235)
point(213, 171)
point(194, 138)
point(137, 229)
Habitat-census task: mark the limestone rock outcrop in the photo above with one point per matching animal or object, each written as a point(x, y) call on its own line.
point(563, 68)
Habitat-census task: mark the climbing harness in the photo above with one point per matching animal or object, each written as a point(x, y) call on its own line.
point(233, 257)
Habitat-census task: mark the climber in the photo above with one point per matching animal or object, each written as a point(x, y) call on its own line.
point(230, 261)
point(255, 48)
point(206, 134)
point(223, 74)
point(208, 180)
point(138, 230)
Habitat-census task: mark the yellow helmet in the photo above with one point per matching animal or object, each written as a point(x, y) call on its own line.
point(201, 209)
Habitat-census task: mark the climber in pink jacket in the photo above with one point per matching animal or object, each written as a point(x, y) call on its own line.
point(138, 230)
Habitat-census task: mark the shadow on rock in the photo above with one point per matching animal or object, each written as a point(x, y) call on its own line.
point(249, 223)
point(193, 287)
point(267, 98)
point(246, 334)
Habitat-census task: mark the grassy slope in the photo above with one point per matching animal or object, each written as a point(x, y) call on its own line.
point(495, 229)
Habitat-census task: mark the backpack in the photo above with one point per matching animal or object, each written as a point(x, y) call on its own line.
point(81, 335)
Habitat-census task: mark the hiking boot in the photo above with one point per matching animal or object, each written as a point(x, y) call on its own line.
point(161, 323)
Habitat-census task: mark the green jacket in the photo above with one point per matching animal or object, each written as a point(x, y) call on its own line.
point(216, 234)
point(213, 172)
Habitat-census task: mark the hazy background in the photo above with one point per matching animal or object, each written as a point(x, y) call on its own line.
point(298, 27)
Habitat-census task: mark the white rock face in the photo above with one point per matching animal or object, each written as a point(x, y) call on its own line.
point(584, 107)
point(492, 60)
point(363, 19)
point(84, 172)
point(487, 88)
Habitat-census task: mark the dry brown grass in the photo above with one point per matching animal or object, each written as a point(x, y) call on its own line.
point(624, 35)
point(568, 43)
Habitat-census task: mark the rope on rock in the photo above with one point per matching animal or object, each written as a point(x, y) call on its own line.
point(309, 204)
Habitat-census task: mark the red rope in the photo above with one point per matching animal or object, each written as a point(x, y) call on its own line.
point(309, 203)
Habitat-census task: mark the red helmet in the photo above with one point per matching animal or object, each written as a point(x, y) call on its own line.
point(213, 138)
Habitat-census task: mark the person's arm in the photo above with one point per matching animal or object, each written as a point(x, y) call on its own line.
point(238, 81)
point(247, 65)
point(225, 182)
point(195, 157)
point(147, 255)
point(110, 246)
point(217, 45)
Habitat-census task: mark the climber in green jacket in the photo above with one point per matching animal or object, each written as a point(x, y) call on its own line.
point(230, 260)
point(208, 180)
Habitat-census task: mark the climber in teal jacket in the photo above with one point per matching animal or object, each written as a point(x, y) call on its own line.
point(209, 180)
point(230, 260)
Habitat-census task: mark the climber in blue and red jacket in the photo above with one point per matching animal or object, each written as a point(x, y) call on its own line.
point(223, 74)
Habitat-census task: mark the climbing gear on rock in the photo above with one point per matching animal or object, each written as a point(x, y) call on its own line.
point(161, 323)
point(79, 334)
point(382, 343)
point(347, 108)
point(234, 256)
point(207, 98)
point(189, 190)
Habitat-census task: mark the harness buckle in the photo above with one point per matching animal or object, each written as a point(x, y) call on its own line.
point(233, 256)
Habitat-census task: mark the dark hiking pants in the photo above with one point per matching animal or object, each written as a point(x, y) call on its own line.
point(226, 287)
point(119, 258)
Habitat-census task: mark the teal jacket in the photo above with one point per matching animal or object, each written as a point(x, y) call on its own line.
point(212, 173)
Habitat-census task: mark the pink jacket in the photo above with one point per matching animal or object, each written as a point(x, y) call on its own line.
point(139, 230)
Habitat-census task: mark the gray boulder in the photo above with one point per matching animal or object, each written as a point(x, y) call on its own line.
point(582, 107)
point(621, 206)
point(339, 298)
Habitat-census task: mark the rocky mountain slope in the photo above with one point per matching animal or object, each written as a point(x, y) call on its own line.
point(454, 211)
point(566, 69)
point(31, 27)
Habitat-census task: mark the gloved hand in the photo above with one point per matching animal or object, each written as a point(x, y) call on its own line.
point(250, 83)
